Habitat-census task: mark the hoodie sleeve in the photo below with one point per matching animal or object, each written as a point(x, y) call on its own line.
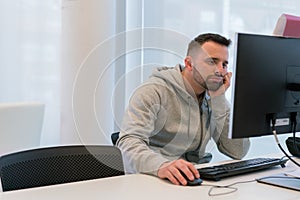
point(234, 148)
point(137, 127)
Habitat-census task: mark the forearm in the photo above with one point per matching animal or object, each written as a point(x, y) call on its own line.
point(138, 157)
point(234, 148)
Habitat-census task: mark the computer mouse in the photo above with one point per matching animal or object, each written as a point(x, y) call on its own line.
point(195, 182)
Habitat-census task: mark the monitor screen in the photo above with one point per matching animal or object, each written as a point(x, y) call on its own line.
point(266, 85)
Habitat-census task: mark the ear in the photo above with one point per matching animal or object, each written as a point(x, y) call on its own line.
point(188, 63)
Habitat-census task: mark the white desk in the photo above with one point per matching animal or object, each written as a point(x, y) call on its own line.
point(145, 187)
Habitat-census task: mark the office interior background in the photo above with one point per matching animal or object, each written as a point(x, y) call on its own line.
point(83, 58)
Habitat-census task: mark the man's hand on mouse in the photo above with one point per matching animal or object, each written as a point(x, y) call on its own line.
point(173, 171)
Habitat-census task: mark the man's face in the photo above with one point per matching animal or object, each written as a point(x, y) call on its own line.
point(210, 65)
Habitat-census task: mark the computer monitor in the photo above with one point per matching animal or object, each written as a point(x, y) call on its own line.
point(20, 126)
point(266, 85)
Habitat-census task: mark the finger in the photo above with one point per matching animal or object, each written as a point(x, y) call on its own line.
point(169, 171)
point(172, 178)
point(180, 171)
point(188, 169)
point(227, 78)
point(229, 74)
point(191, 172)
point(178, 175)
point(194, 171)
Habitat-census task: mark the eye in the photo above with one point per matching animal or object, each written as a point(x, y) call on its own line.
point(210, 61)
point(225, 65)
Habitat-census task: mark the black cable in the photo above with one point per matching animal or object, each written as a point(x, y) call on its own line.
point(234, 189)
point(294, 128)
point(278, 143)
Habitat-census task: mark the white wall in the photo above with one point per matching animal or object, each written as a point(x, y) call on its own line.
point(87, 71)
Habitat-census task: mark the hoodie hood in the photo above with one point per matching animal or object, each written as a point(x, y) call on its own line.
point(172, 76)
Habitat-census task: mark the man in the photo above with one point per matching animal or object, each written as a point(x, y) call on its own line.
point(174, 114)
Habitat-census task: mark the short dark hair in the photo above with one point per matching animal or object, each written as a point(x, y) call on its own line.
point(202, 38)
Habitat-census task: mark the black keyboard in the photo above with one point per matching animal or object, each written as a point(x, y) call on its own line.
point(217, 172)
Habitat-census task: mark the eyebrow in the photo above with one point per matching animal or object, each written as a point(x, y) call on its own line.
point(216, 60)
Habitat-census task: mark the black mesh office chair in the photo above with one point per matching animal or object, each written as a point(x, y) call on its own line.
point(114, 137)
point(56, 165)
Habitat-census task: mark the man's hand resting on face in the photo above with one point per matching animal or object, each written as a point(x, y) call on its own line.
point(223, 88)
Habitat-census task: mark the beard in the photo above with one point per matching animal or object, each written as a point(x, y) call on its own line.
point(214, 82)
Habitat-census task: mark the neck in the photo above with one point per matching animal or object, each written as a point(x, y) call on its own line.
point(190, 85)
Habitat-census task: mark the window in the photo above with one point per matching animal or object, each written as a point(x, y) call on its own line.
point(30, 57)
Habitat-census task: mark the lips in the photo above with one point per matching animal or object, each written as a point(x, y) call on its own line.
point(214, 82)
point(216, 79)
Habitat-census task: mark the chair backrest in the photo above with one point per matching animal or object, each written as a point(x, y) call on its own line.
point(114, 137)
point(20, 126)
point(56, 165)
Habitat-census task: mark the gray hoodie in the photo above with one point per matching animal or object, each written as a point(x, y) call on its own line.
point(164, 122)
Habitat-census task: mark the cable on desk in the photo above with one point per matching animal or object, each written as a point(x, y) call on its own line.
point(231, 189)
point(234, 189)
point(281, 177)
